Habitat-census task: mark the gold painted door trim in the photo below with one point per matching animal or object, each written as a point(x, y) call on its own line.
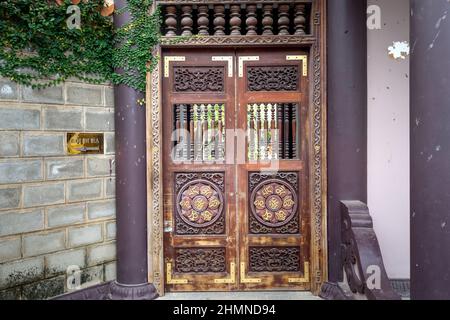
point(231, 279)
point(243, 59)
point(303, 59)
point(305, 278)
point(169, 277)
point(168, 60)
point(244, 278)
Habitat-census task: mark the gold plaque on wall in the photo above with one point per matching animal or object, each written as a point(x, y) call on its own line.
point(85, 143)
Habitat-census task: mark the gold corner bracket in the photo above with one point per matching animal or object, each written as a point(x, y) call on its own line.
point(169, 278)
point(244, 278)
point(244, 59)
point(231, 279)
point(168, 60)
point(305, 278)
point(303, 59)
point(228, 59)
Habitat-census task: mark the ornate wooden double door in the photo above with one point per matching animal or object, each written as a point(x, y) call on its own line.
point(236, 190)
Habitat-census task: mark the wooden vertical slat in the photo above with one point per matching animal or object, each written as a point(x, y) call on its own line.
point(171, 21)
point(251, 132)
point(294, 115)
point(197, 133)
point(286, 131)
point(223, 141)
point(267, 21)
point(186, 21)
point(252, 20)
point(280, 131)
point(219, 20)
point(204, 131)
point(177, 132)
point(184, 131)
point(235, 20)
point(283, 20)
point(191, 132)
point(215, 128)
point(258, 130)
point(203, 20)
point(300, 20)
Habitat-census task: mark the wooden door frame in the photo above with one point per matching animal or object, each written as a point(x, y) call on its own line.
point(316, 44)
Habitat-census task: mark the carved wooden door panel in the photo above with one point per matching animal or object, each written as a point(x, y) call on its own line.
point(235, 170)
point(199, 187)
point(272, 94)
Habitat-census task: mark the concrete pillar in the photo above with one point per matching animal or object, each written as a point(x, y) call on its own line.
point(430, 149)
point(347, 116)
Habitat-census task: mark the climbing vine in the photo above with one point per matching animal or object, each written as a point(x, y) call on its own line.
point(38, 49)
point(134, 42)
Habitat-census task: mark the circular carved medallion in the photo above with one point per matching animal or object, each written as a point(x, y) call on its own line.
point(273, 203)
point(199, 203)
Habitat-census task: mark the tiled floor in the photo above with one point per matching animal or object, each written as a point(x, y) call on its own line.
point(240, 296)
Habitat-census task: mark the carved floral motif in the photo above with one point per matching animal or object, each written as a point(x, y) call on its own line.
point(273, 203)
point(274, 259)
point(282, 78)
point(200, 260)
point(199, 203)
point(194, 79)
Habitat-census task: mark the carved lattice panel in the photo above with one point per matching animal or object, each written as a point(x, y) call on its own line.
point(274, 203)
point(274, 259)
point(274, 78)
point(199, 79)
point(273, 131)
point(199, 203)
point(200, 260)
point(199, 132)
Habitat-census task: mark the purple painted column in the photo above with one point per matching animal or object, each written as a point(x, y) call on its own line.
point(430, 149)
point(347, 117)
point(131, 191)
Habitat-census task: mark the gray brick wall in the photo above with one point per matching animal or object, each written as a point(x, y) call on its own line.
point(56, 211)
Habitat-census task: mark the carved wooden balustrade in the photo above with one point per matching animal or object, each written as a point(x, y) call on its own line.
point(236, 18)
point(362, 262)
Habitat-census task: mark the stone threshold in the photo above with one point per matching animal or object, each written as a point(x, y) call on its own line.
point(254, 295)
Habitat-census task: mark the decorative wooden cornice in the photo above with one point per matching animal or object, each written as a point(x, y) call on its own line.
point(237, 41)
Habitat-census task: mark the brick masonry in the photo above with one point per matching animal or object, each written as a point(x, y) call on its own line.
point(56, 211)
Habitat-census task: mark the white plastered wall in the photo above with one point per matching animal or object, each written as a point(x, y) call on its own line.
point(388, 137)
